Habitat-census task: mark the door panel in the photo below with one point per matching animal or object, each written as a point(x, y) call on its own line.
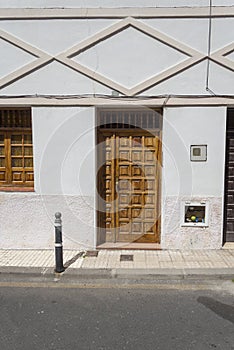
point(132, 173)
point(229, 189)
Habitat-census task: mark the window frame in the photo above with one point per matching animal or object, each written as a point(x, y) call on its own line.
point(10, 184)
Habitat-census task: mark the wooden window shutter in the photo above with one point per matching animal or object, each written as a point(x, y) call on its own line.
point(16, 148)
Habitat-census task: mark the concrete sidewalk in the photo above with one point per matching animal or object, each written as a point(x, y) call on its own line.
point(108, 263)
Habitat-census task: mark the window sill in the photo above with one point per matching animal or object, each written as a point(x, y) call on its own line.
point(16, 189)
point(195, 224)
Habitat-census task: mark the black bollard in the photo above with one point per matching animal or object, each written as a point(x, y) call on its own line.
point(58, 244)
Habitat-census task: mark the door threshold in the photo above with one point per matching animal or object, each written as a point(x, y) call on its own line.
point(228, 245)
point(130, 246)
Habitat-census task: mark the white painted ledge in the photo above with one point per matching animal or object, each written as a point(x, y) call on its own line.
point(108, 100)
point(137, 12)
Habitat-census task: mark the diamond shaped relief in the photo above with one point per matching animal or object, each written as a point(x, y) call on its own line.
point(25, 58)
point(230, 56)
point(225, 57)
point(12, 58)
point(130, 57)
point(55, 36)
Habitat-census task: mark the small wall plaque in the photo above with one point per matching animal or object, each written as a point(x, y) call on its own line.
point(198, 153)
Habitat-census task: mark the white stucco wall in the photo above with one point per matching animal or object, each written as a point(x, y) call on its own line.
point(64, 142)
point(64, 137)
point(193, 181)
point(64, 166)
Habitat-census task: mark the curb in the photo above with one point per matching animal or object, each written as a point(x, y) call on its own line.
point(26, 270)
point(124, 273)
point(162, 273)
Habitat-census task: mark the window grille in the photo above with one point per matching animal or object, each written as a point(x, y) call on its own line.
point(129, 119)
point(15, 118)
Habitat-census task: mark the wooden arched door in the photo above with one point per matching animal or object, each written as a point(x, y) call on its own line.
point(130, 182)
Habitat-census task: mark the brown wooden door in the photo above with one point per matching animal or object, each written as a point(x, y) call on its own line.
point(131, 183)
point(229, 188)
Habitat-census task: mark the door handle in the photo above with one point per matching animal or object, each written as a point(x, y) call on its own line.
point(117, 183)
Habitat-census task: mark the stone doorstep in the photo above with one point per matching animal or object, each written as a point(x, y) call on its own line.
point(228, 245)
point(129, 246)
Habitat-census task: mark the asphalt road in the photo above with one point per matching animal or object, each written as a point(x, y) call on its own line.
point(115, 317)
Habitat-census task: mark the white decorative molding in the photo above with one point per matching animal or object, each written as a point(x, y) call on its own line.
point(147, 12)
point(167, 101)
point(221, 57)
point(41, 59)
point(193, 56)
point(54, 36)
point(230, 56)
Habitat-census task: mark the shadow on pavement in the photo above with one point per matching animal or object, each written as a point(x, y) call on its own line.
point(72, 260)
point(223, 310)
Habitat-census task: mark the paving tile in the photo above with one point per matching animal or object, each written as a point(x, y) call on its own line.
point(88, 262)
point(31, 257)
point(165, 264)
point(206, 264)
point(193, 265)
point(151, 266)
point(110, 259)
point(176, 257)
point(179, 264)
point(76, 264)
point(139, 265)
